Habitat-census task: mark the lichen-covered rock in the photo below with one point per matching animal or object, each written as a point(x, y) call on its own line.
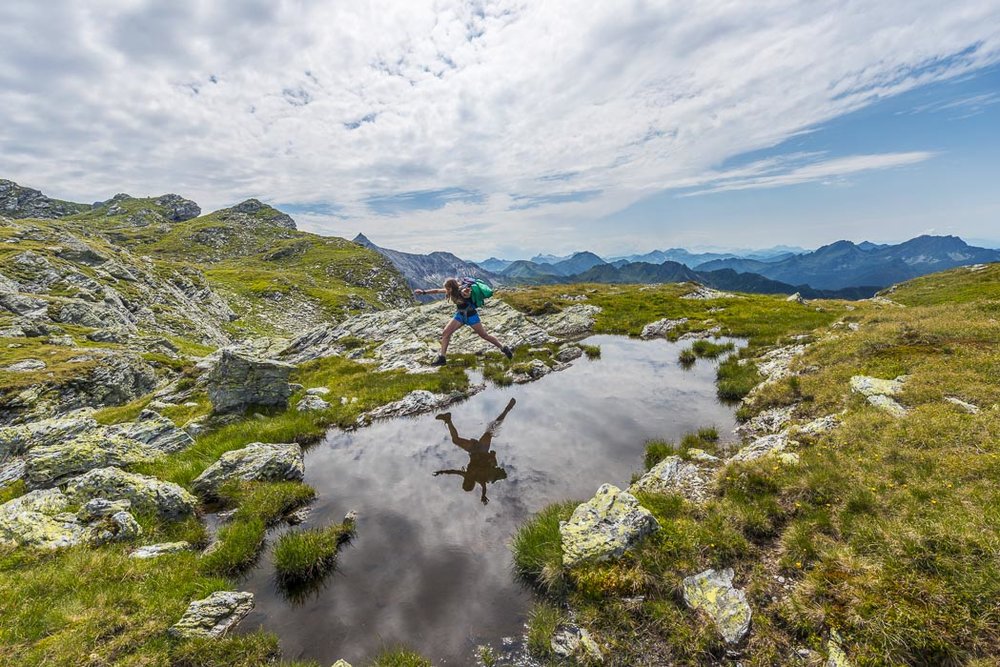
point(776, 364)
point(674, 475)
point(662, 327)
point(568, 353)
point(39, 519)
point(836, 656)
point(777, 445)
point(572, 322)
point(118, 527)
point(157, 550)
point(311, 402)
point(156, 432)
point(416, 402)
point(765, 422)
point(869, 386)
point(712, 592)
point(49, 464)
point(570, 642)
point(887, 404)
point(258, 461)
point(19, 439)
point(214, 616)
point(101, 507)
point(820, 425)
point(146, 494)
point(605, 527)
point(11, 471)
point(117, 379)
point(239, 381)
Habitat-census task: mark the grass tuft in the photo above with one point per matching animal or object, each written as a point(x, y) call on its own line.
point(537, 548)
point(307, 554)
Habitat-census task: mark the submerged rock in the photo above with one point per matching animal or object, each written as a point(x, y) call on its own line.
point(48, 464)
point(258, 461)
point(661, 327)
point(157, 550)
point(674, 475)
point(239, 381)
point(712, 592)
point(605, 527)
point(146, 494)
point(39, 519)
point(214, 616)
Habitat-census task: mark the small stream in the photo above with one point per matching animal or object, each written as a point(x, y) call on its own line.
point(430, 567)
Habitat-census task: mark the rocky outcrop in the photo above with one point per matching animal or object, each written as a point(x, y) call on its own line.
point(11, 470)
point(964, 405)
point(120, 526)
point(661, 328)
point(214, 616)
point(256, 462)
point(145, 494)
point(605, 527)
point(254, 212)
point(776, 445)
point(703, 293)
point(239, 381)
point(574, 321)
point(47, 465)
point(408, 338)
point(572, 642)
point(156, 432)
point(20, 202)
point(765, 422)
point(414, 403)
point(176, 208)
point(674, 475)
point(713, 593)
point(878, 392)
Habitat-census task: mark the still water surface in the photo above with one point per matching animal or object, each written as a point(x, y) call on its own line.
point(430, 567)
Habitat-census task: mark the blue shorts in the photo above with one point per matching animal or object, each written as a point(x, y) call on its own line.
point(472, 319)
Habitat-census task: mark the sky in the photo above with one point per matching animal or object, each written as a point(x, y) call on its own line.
point(511, 128)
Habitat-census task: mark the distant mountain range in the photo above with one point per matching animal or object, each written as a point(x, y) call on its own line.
point(842, 269)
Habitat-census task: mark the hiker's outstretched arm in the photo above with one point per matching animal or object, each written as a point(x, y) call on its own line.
point(449, 472)
point(438, 290)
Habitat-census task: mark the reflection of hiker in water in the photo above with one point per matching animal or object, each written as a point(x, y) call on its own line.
point(482, 466)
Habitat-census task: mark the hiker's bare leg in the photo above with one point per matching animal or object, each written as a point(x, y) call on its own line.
point(465, 443)
point(481, 330)
point(495, 424)
point(450, 328)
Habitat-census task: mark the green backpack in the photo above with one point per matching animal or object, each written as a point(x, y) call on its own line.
point(480, 292)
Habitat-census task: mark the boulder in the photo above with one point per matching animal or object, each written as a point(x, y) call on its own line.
point(568, 353)
point(712, 592)
point(674, 475)
point(98, 508)
point(768, 445)
point(117, 379)
point(156, 432)
point(39, 519)
point(311, 402)
point(239, 381)
point(146, 494)
point(887, 404)
point(776, 364)
point(256, 462)
point(20, 304)
point(49, 464)
point(661, 328)
point(317, 391)
point(765, 422)
point(157, 550)
point(214, 616)
point(416, 402)
point(19, 439)
point(605, 527)
point(118, 527)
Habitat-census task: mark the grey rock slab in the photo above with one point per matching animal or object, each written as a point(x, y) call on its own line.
point(887, 404)
point(703, 293)
point(49, 464)
point(820, 425)
point(568, 353)
point(776, 445)
point(256, 462)
point(157, 550)
point(239, 381)
point(26, 366)
point(11, 471)
point(414, 403)
point(571, 322)
point(19, 439)
point(146, 494)
point(712, 592)
point(155, 431)
point(214, 616)
point(765, 422)
point(661, 328)
point(20, 304)
point(968, 407)
point(674, 475)
point(870, 386)
point(605, 527)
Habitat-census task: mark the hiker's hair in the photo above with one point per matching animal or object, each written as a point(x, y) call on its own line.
point(453, 291)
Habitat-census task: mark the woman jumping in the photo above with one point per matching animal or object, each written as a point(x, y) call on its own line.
point(466, 313)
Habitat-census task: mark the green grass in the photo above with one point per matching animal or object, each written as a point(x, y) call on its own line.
point(545, 617)
point(592, 351)
point(735, 380)
point(705, 349)
point(399, 657)
point(537, 547)
point(304, 555)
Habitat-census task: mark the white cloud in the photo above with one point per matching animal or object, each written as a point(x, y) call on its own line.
point(336, 103)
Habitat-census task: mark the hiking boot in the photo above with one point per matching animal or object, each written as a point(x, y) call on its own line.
point(507, 352)
point(440, 361)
